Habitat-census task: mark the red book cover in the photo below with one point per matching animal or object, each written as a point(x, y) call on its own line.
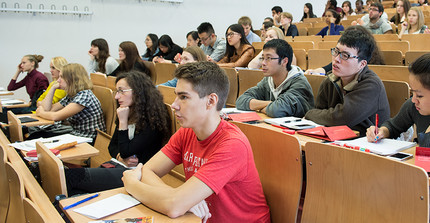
point(244, 117)
point(329, 133)
point(422, 158)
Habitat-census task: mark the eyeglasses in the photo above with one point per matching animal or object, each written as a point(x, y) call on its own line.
point(230, 34)
point(121, 91)
point(205, 39)
point(267, 59)
point(374, 9)
point(343, 55)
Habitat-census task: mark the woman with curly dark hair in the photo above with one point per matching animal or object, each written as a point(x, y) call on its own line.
point(143, 126)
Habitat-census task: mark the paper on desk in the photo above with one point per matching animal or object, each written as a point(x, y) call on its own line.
point(382, 147)
point(108, 206)
point(11, 102)
point(62, 139)
point(34, 159)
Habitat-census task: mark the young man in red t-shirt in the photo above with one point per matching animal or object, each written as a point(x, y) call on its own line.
point(222, 182)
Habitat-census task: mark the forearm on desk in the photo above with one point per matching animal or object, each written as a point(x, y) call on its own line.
point(256, 105)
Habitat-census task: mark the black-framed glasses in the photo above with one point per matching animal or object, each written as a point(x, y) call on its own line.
point(231, 34)
point(204, 39)
point(343, 55)
point(121, 91)
point(267, 59)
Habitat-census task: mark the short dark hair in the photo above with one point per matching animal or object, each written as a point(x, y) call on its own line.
point(269, 18)
point(421, 69)
point(282, 48)
point(267, 25)
point(205, 28)
point(379, 5)
point(360, 39)
point(166, 40)
point(206, 78)
point(277, 9)
point(195, 37)
point(333, 3)
point(360, 1)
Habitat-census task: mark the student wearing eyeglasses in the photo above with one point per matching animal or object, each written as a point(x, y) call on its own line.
point(284, 91)
point(238, 50)
point(352, 94)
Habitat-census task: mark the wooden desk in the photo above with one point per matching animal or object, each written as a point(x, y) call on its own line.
point(41, 121)
point(80, 151)
point(4, 93)
point(136, 211)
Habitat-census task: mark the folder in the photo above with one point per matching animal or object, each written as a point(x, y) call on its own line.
point(244, 117)
point(329, 133)
point(422, 158)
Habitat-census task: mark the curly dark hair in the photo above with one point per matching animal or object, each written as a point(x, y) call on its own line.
point(148, 108)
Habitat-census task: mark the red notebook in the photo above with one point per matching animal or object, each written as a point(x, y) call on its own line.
point(422, 158)
point(329, 133)
point(244, 117)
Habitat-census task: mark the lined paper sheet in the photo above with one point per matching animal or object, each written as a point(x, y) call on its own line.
point(108, 206)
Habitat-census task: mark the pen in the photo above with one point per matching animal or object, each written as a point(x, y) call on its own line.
point(80, 202)
point(376, 124)
point(295, 120)
point(278, 126)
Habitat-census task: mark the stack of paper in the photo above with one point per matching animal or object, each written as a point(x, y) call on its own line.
point(51, 142)
point(108, 206)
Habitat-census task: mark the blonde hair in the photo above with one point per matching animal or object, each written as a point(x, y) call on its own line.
point(245, 20)
point(287, 15)
point(420, 21)
point(76, 78)
point(58, 62)
point(196, 52)
point(278, 31)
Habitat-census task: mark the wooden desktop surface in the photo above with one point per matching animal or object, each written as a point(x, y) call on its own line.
point(139, 210)
point(4, 93)
point(80, 151)
point(41, 121)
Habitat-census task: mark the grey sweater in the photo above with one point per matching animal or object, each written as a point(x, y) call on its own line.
point(364, 98)
point(295, 99)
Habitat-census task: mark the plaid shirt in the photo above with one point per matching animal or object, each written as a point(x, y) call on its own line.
point(85, 122)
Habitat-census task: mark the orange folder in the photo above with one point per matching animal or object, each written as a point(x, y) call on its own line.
point(329, 133)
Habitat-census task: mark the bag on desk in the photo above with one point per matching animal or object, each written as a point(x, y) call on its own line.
point(48, 131)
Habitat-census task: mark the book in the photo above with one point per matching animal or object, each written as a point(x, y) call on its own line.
point(382, 147)
point(422, 158)
point(329, 133)
point(127, 220)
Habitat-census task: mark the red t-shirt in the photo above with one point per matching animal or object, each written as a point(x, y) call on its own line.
point(224, 161)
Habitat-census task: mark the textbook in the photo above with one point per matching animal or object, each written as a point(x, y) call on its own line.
point(382, 147)
point(329, 133)
point(422, 158)
point(127, 220)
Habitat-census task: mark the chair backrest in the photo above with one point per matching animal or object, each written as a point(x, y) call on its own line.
point(417, 41)
point(313, 20)
point(314, 30)
point(393, 57)
point(287, 38)
point(327, 44)
point(315, 82)
point(33, 214)
point(303, 25)
point(314, 39)
point(278, 160)
point(101, 144)
point(15, 127)
point(319, 25)
point(98, 79)
point(397, 92)
point(151, 68)
point(303, 31)
point(302, 62)
point(334, 38)
point(411, 56)
point(110, 83)
point(258, 45)
point(318, 58)
point(234, 86)
point(345, 185)
point(4, 185)
point(16, 194)
point(164, 72)
point(108, 104)
point(248, 79)
point(174, 123)
point(387, 37)
point(168, 93)
point(48, 75)
point(393, 45)
point(391, 72)
point(51, 171)
point(302, 45)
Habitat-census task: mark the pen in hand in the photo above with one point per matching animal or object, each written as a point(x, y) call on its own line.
point(80, 202)
point(376, 128)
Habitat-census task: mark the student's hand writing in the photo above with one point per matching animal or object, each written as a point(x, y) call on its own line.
point(372, 137)
point(201, 210)
point(129, 176)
